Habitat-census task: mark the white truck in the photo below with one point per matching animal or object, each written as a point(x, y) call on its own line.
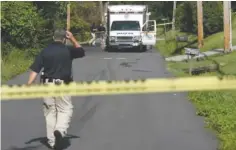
point(128, 26)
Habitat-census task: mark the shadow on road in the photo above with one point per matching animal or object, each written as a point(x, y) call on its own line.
point(43, 140)
point(25, 148)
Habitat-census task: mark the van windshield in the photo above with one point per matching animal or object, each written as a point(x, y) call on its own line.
point(125, 26)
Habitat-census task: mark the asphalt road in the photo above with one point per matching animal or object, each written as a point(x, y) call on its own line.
point(163, 121)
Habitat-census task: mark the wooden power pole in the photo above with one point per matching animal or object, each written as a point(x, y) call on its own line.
point(68, 19)
point(226, 26)
point(200, 24)
point(230, 22)
point(101, 11)
point(173, 18)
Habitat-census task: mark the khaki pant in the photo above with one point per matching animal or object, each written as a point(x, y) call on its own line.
point(58, 112)
point(92, 41)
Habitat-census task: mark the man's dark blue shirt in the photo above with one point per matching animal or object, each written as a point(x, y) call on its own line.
point(56, 59)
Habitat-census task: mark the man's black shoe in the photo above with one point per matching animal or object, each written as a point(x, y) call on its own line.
point(58, 142)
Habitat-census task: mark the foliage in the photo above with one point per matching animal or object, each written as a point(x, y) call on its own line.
point(186, 14)
point(233, 4)
point(21, 25)
point(186, 19)
point(213, 17)
point(82, 14)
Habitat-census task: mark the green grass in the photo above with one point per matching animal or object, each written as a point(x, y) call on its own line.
point(169, 46)
point(14, 64)
point(216, 41)
point(218, 107)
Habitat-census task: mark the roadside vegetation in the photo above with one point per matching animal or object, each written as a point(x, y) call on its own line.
point(217, 107)
point(28, 26)
point(213, 39)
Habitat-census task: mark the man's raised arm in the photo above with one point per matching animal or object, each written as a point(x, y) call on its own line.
point(77, 51)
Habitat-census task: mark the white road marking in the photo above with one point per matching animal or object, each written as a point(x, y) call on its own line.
point(115, 58)
point(120, 58)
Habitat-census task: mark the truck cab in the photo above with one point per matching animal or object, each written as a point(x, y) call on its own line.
point(128, 26)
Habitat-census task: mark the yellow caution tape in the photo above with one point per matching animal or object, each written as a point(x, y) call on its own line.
point(119, 87)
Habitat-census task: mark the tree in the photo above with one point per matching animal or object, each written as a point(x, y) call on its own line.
point(186, 14)
point(213, 17)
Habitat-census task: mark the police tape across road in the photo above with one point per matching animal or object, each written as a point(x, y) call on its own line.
point(119, 87)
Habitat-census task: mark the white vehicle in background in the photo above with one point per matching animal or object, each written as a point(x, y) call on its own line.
point(128, 26)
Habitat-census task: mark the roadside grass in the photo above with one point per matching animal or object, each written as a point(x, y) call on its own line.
point(218, 107)
point(14, 63)
point(170, 47)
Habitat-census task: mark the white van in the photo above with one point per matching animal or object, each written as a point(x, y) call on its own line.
point(128, 26)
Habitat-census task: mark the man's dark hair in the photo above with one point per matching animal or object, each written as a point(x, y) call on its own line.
point(59, 34)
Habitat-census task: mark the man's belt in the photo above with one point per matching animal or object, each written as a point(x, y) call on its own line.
point(55, 81)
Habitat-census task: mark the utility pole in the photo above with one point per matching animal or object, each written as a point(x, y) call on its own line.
point(230, 23)
point(101, 11)
point(68, 19)
point(173, 18)
point(106, 3)
point(105, 7)
point(200, 24)
point(226, 26)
